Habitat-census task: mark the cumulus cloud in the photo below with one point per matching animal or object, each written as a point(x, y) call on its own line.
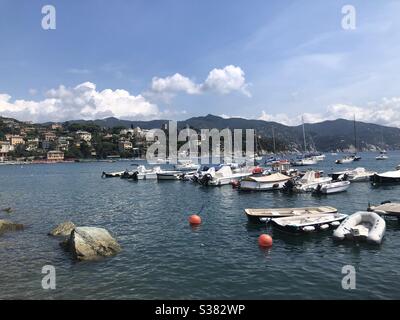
point(83, 101)
point(222, 81)
point(384, 112)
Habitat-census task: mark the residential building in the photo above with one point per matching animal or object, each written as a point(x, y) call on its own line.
point(55, 126)
point(124, 145)
point(14, 140)
point(84, 135)
point(49, 136)
point(4, 149)
point(55, 156)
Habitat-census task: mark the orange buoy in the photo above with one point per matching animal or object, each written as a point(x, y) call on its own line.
point(194, 219)
point(265, 240)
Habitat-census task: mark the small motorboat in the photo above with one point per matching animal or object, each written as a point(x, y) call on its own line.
point(310, 181)
point(273, 181)
point(386, 177)
point(186, 165)
point(382, 156)
point(362, 225)
point(222, 176)
point(332, 187)
point(347, 159)
point(309, 222)
point(112, 174)
point(356, 157)
point(147, 174)
point(264, 215)
point(387, 209)
point(131, 175)
point(304, 162)
point(359, 175)
point(168, 175)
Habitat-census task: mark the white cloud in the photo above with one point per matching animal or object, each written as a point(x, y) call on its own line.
point(222, 81)
point(80, 102)
point(226, 80)
point(384, 112)
point(175, 83)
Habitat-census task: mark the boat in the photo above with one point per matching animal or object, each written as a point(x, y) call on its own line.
point(223, 176)
point(353, 175)
point(382, 156)
point(332, 187)
point(112, 174)
point(186, 165)
point(273, 181)
point(131, 175)
point(168, 175)
point(265, 215)
point(304, 162)
point(347, 159)
point(147, 174)
point(386, 177)
point(387, 209)
point(310, 181)
point(398, 167)
point(309, 222)
point(362, 225)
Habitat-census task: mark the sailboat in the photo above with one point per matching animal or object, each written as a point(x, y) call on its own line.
point(382, 155)
point(355, 156)
point(304, 161)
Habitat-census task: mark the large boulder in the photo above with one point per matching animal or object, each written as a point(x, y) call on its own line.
point(64, 229)
point(90, 243)
point(7, 225)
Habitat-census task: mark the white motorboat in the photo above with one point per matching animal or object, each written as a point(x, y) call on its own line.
point(274, 181)
point(320, 157)
point(147, 174)
point(386, 177)
point(305, 162)
point(346, 159)
point(353, 175)
point(361, 225)
point(332, 187)
point(222, 176)
point(265, 215)
point(387, 209)
point(186, 165)
point(309, 222)
point(382, 156)
point(398, 167)
point(310, 181)
point(112, 174)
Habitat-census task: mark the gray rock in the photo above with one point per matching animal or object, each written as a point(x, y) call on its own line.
point(90, 243)
point(7, 225)
point(64, 229)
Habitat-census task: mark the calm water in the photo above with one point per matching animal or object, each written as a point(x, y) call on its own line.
point(163, 257)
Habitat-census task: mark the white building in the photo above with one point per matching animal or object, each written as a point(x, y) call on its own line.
point(84, 135)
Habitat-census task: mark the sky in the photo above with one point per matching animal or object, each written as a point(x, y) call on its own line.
point(174, 59)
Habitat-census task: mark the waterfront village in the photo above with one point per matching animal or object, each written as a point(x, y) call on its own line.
point(56, 142)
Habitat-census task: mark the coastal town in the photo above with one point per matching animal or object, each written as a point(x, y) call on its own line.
point(56, 142)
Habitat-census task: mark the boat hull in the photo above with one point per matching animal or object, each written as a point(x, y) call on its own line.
point(261, 186)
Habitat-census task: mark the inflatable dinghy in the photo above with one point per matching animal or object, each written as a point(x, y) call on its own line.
point(361, 225)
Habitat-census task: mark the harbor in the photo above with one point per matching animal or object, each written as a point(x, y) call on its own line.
point(163, 257)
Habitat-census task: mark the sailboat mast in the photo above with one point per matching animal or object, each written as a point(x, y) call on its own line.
point(355, 134)
point(304, 135)
point(273, 138)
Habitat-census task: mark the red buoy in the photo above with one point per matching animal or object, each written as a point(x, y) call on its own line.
point(194, 219)
point(265, 240)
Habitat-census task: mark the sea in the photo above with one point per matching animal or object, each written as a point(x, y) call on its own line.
point(163, 257)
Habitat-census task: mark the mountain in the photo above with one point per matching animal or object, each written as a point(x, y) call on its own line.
point(330, 135)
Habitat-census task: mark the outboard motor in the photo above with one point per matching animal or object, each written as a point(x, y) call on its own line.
point(125, 175)
point(205, 179)
point(288, 186)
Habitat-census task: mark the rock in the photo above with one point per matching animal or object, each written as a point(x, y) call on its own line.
point(64, 229)
point(6, 225)
point(90, 243)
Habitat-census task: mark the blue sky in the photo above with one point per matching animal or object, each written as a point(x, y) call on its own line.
point(274, 60)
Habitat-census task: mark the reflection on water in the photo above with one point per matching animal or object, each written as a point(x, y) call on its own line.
point(163, 257)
